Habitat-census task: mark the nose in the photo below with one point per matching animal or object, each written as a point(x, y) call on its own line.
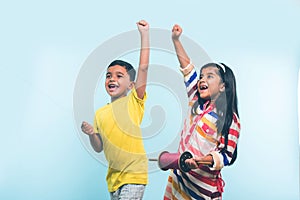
point(201, 80)
point(111, 79)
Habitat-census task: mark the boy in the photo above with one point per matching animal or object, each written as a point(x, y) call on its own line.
point(116, 128)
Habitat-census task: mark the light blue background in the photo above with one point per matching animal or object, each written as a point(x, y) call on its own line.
point(44, 43)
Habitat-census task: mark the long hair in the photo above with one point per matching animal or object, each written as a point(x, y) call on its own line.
point(226, 104)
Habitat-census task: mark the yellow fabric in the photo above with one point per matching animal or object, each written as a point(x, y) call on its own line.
point(118, 124)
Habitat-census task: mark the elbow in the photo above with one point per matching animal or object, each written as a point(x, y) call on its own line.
point(217, 161)
point(98, 150)
point(144, 68)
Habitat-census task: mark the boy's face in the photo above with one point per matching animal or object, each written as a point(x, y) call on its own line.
point(117, 82)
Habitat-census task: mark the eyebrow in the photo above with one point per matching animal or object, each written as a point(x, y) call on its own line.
point(209, 73)
point(118, 72)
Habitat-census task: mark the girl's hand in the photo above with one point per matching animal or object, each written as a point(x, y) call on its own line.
point(143, 26)
point(191, 163)
point(176, 32)
point(87, 128)
point(194, 163)
point(206, 160)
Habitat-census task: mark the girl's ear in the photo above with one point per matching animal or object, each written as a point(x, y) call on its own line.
point(222, 88)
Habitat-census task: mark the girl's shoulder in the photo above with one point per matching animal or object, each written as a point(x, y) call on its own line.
point(236, 118)
point(236, 121)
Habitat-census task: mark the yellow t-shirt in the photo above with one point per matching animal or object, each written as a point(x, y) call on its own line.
point(118, 124)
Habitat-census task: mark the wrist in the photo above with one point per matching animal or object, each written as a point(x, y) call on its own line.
point(92, 134)
point(217, 159)
point(144, 33)
point(175, 39)
point(145, 38)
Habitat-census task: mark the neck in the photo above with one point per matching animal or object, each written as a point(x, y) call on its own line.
point(214, 99)
point(209, 103)
point(112, 99)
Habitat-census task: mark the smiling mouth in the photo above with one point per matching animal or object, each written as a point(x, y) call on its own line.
point(203, 87)
point(112, 86)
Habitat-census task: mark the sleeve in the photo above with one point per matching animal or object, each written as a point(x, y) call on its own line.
point(139, 100)
point(136, 107)
point(223, 157)
point(190, 81)
point(96, 127)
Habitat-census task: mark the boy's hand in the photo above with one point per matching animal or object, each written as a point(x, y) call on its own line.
point(143, 26)
point(87, 128)
point(176, 32)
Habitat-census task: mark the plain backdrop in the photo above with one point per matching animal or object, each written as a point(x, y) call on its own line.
point(44, 44)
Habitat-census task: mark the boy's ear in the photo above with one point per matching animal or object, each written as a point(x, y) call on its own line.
point(131, 84)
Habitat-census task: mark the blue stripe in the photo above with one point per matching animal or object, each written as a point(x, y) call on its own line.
point(225, 160)
point(188, 82)
point(201, 106)
point(190, 192)
point(212, 113)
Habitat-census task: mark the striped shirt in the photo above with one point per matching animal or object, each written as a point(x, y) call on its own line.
point(200, 137)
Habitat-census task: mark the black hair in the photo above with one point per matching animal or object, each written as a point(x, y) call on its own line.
point(129, 68)
point(226, 104)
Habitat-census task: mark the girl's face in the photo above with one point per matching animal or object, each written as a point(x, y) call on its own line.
point(210, 84)
point(117, 82)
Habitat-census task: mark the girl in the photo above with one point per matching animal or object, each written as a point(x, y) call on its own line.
point(211, 130)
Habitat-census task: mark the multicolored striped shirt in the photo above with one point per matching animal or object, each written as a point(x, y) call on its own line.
point(200, 137)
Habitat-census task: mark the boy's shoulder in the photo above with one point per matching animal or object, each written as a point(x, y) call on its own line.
point(108, 106)
point(134, 95)
point(102, 109)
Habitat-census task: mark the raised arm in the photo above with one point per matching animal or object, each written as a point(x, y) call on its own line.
point(141, 80)
point(187, 69)
point(182, 56)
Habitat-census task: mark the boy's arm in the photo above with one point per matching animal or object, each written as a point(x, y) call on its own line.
point(95, 138)
point(96, 142)
point(182, 56)
point(141, 80)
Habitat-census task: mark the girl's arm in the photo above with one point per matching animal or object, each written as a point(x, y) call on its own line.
point(141, 80)
point(182, 56)
point(223, 156)
point(188, 70)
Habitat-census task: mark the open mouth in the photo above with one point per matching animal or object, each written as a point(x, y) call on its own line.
point(112, 86)
point(203, 87)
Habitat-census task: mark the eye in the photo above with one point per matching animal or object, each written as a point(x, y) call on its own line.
point(108, 76)
point(120, 76)
point(210, 76)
